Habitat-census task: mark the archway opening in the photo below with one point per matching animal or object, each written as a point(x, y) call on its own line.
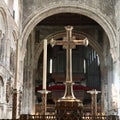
point(86, 61)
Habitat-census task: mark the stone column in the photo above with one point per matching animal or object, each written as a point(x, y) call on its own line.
point(116, 89)
point(25, 85)
point(109, 90)
point(28, 102)
point(104, 89)
point(32, 67)
point(15, 87)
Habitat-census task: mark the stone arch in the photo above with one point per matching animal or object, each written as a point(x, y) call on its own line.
point(89, 12)
point(95, 45)
point(94, 14)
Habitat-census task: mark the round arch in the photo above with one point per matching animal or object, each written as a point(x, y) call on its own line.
point(95, 15)
point(95, 45)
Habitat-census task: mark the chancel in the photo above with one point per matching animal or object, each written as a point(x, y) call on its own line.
point(67, 65)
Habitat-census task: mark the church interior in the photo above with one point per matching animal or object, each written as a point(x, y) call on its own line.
point(60, 59)
point(85, 61)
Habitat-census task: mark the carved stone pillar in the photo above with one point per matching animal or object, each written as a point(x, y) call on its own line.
point(115, 105)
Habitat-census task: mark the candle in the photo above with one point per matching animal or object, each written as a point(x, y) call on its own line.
point(44, 63)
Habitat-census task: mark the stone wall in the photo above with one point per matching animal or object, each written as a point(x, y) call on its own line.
point(109, 11)
point(117, 78)
point(8, 37)
point(102, 11)
point(106, 7)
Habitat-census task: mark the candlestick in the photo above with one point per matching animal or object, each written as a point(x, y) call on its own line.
point(44, 63)
point(94, 93)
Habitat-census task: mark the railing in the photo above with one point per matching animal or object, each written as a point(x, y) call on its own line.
point(67, 117)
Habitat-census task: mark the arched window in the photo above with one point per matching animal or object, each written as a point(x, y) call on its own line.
point(84, 66)
point(50, 66)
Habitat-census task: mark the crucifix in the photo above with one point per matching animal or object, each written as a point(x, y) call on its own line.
point(69, 42)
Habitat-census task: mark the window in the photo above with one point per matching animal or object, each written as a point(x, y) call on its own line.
point(84, 66)
point(98, 61)
point(50, 68)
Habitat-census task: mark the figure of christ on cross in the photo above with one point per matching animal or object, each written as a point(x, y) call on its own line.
point(69, 42)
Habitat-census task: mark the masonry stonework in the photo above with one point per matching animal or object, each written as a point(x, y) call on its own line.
point(105, 12)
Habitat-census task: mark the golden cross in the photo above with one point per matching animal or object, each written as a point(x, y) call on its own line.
point(69, 42)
